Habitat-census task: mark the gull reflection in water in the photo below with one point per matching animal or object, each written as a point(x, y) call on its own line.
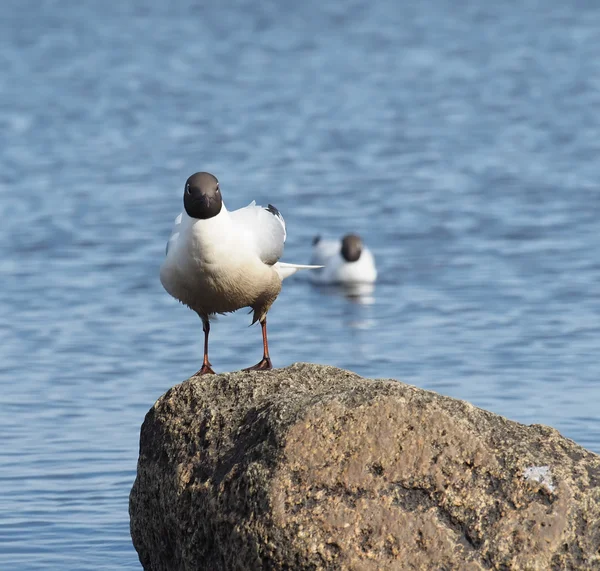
point(360, 295)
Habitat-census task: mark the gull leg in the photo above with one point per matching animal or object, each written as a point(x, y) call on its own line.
point(265, 363)
point(206, 367)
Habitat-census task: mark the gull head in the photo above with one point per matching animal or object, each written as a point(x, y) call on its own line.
point(202, 196)
point(351, 247)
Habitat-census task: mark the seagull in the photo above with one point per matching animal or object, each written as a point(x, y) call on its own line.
point(346, 262)
point(219, 261)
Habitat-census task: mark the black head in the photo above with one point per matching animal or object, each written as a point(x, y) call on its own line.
point(202, 196)
point(351, 247)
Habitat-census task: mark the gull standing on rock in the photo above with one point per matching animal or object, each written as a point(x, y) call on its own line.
point(219, 261)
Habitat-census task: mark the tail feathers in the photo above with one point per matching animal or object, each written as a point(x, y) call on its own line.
point(286, 270)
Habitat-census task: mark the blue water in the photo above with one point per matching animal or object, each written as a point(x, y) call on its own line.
point(461, 139)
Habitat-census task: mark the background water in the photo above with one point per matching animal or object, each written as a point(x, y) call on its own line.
point(460, 138)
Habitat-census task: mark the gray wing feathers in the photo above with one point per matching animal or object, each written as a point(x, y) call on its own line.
point(174, 234)
point(266, 227)
point(324, 251)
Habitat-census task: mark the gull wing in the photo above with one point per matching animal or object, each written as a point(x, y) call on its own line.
point(325, 251)
point(265, 227)
point(174, 234)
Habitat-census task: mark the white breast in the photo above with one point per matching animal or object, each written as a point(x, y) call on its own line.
point(212, 267)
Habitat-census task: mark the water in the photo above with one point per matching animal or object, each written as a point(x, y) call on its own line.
point(461, 139)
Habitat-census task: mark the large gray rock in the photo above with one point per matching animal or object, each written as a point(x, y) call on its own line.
point(312, 467)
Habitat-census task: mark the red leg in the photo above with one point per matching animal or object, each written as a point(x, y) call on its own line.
point(265, 363)
point(206, 367)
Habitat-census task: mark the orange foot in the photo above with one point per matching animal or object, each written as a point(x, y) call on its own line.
point(263, 365)
point(205, 370)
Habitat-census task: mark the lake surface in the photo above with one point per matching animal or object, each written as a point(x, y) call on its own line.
point(460, 139)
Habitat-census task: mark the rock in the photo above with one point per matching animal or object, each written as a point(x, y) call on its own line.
point(313, 467)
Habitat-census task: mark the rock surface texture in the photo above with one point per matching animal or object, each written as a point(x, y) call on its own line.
point(313, 467)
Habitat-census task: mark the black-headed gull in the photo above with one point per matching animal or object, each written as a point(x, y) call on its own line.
point(346, 262)
point(219, 261)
